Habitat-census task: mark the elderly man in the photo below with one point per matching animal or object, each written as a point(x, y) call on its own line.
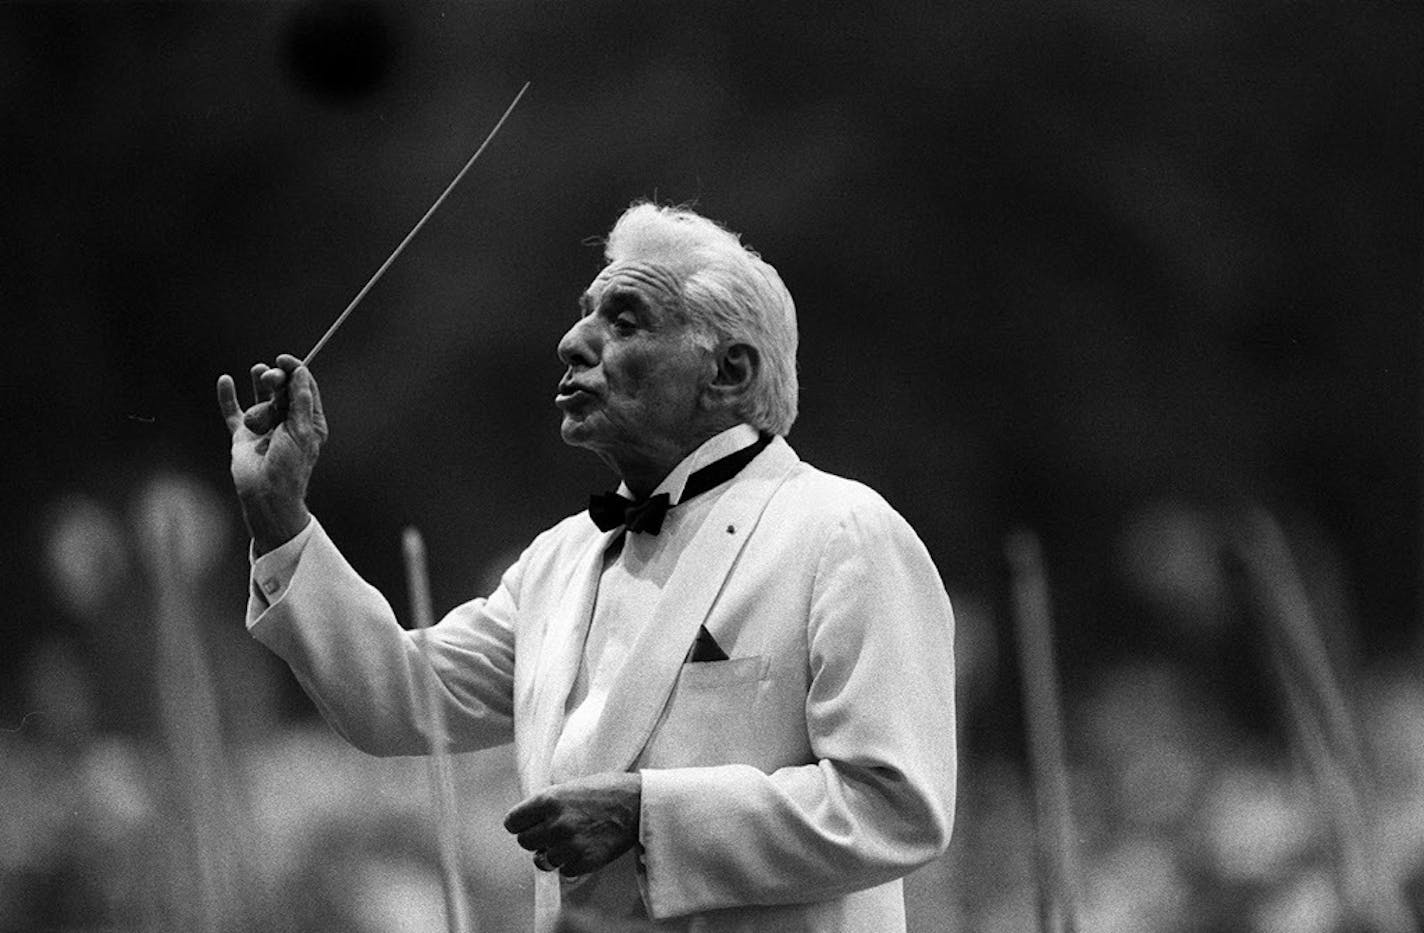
point(729, 685)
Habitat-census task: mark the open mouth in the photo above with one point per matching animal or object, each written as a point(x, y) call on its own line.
point(572, 397)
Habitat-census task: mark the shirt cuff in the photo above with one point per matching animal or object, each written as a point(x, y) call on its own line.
point(273, 571)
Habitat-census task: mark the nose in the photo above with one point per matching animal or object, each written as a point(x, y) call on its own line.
point(579, 345)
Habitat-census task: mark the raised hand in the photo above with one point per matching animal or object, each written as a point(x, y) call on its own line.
point(275, 445)
point(581, 825)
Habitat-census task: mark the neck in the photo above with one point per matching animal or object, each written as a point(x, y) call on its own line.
point(642, 479)
point(643, 469)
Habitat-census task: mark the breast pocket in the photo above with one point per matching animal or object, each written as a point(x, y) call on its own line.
point(710, 718)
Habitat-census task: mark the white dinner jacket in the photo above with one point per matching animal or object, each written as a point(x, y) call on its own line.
point(787, 788)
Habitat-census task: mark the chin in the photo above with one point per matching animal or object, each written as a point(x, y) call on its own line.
point(575, 432)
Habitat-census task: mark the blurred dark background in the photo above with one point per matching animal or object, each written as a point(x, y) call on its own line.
point(1111, 271)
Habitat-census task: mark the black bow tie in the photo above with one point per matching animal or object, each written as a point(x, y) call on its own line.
point(609, 510)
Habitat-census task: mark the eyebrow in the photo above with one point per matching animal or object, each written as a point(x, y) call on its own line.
point(616, 295)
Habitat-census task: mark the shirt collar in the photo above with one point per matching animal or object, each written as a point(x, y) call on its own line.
point(714, 448)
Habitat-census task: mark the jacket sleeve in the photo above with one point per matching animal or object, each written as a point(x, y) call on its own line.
point(371, 679)
point(878, 801)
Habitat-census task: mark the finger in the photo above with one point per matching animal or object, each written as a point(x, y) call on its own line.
point(257, 370)
point(291, 365)
point(317, 411)
point(260, 418)
point(303, 398)
point(227, 403)
point(567, 858)
point(278, 382)
point(539, 837)
point(273, 379)
point(575, 864)
point(528, 813)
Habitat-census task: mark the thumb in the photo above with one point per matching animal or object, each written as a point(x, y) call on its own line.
point(260, 418)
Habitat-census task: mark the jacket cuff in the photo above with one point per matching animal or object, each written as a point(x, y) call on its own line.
point(272, 572)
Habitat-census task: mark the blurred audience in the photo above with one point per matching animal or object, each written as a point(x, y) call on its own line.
point(1191, 813)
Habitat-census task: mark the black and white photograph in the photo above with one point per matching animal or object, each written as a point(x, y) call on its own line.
point(623, 466)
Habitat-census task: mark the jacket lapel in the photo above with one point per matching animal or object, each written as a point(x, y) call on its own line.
point(642, 688)
point(559, 654)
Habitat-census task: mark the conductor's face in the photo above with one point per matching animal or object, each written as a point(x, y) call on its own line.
point(635, 374)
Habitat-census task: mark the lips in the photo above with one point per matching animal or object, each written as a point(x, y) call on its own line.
point(572, 396)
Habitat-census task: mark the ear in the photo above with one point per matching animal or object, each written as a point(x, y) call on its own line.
point(738, 365)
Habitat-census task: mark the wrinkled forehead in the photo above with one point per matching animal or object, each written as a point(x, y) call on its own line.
point(655, 283)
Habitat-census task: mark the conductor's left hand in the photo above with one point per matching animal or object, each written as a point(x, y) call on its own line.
point(579, 826)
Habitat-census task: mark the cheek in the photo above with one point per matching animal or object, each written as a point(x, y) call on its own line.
point(638, 371)
point(654, 379)
point(639, 374)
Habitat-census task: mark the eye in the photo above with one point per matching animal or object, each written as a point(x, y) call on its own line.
point(621, 310)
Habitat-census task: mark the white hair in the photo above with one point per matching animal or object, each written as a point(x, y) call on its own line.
point(728, 292)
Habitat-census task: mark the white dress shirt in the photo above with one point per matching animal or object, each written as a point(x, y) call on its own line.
point(635, 568)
